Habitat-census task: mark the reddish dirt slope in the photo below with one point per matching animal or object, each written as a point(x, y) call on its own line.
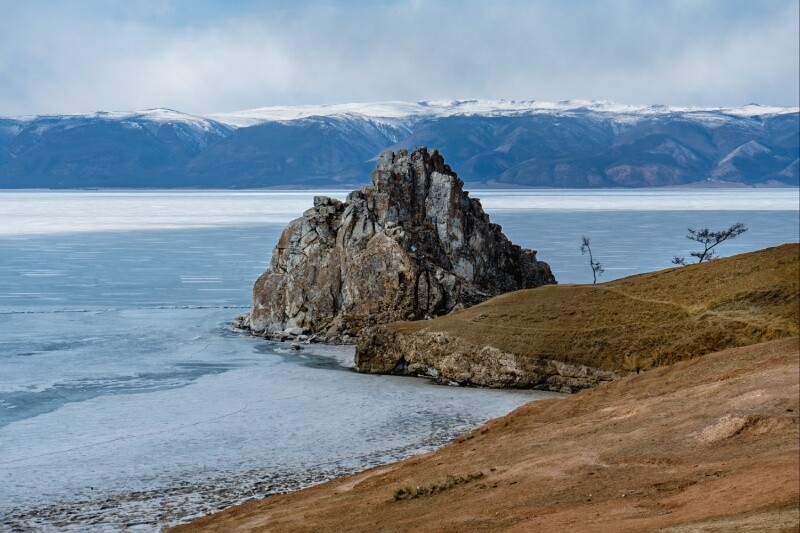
point(709, 444)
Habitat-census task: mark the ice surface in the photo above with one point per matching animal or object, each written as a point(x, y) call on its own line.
point(31, 212)
point(629, 242)
point(642, 199)
point(197, 402)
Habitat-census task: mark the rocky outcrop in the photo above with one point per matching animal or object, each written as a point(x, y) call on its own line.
point(451, 360)
point(410, 245)
point(570, 337)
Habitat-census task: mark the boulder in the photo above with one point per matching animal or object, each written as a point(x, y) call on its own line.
point(410, 245)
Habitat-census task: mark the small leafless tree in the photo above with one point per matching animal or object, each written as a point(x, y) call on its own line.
point(586, 247)
point(709, 239)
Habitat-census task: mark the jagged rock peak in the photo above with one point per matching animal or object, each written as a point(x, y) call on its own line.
point(410, 245)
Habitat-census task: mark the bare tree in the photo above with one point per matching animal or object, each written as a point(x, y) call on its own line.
point(709, 239)
point(586, 246)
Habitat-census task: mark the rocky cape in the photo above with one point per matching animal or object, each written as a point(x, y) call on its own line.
point(411, 245)
point(569, 337)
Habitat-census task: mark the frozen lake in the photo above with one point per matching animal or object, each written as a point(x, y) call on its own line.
point(126, 401)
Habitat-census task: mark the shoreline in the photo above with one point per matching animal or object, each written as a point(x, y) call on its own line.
point(192, 496)
point(166, 506)
point(241, 324)
point(637, 460)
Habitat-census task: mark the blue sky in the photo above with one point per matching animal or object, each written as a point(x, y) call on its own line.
point(202, 56)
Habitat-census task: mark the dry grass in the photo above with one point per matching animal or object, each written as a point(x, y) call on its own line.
point(642, 321)
point(448, 482)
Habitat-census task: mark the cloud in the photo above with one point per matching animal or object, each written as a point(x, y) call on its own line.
point(203, 56)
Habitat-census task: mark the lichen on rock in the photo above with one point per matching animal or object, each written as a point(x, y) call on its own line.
point(410, 245)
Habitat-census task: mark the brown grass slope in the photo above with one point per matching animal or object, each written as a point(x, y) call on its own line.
point(709, 444)
point(642, 321)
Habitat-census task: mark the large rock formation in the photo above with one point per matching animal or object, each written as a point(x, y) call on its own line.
point(411, 245)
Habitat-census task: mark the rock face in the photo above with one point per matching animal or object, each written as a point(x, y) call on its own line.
point(451, 360)
point(410, 245)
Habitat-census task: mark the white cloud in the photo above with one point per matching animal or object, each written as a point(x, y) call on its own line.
point(198, 57)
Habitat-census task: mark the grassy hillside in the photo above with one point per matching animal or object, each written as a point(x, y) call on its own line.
point(642, 321)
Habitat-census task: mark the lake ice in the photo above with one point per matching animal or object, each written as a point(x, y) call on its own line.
point(125, 399)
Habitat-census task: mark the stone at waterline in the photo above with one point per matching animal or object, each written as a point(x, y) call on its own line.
point(410, 245)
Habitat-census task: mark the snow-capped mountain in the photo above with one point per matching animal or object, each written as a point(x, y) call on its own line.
point(489, 143)
point(487, 108)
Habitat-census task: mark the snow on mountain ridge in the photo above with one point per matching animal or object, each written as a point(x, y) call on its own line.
point(156, 116)
point(397, 114)
point(386, 111)
point(194, 130)
point(748, 149)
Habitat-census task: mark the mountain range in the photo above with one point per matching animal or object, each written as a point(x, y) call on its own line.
point(488, 143)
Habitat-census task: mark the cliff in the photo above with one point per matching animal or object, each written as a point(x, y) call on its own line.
point(410, 245)
point(568, 337)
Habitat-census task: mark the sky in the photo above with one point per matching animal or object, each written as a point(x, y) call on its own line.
point(203, 56)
